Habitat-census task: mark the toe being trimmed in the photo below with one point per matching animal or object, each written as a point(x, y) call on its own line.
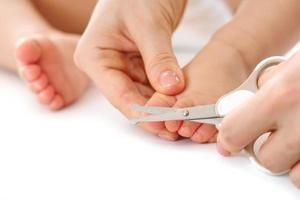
point(204, 134)
point(185, 131)
point(188, 128)
point(173, 126)
point(169, 136)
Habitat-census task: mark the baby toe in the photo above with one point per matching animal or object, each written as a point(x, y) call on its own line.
point(30, 72)
point(57, 103)
point(28, 50)
point(158, 100)
point(168, 136)
point(39, 84)
point(46, 95)
point(204, 133)
point(188, 128)
point(174, 126)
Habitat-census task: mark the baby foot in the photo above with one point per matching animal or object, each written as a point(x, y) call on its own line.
point(46, 64)
point(214, 72)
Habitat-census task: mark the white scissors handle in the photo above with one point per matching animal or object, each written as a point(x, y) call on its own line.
point(233, 99)
point(214, 113)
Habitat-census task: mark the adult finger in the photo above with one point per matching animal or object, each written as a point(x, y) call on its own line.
point(161, 65)
point(106, 68)
point(295, 174)
point(247, 122)
point(281, 150)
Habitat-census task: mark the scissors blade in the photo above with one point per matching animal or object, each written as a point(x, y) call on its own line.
point(212, 121)
point(151, 109)
point(171, 114)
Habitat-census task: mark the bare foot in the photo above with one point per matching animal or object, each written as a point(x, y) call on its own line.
point(46, 64)
point(213, 72)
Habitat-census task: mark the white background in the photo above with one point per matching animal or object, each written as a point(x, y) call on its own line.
point(90, 151)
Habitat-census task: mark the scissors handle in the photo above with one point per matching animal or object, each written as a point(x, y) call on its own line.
point(238, 96)
point(247, 89)
point(251, 84)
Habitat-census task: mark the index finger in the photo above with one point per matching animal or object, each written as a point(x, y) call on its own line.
point(108, 70)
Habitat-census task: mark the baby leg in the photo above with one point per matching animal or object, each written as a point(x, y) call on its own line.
point(68, 16)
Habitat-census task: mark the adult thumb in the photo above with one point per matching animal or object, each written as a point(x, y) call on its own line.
point(161, 65)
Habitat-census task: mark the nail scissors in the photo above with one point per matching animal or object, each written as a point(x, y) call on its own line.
point(214, 113)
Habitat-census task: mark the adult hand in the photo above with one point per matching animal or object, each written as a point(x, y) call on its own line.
point(128, 43)
point(275, 108)
point(126, 50)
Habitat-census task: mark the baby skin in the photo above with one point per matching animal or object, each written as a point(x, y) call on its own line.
point(221, 66)
point(208, 79)
point(42, 54)
point(45, 64)
point(228, 59)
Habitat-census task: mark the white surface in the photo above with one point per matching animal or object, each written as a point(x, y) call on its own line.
point(89, 151)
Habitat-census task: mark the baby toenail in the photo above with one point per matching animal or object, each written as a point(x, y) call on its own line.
point(169, 79)
point(166, 136)
point(185, 131)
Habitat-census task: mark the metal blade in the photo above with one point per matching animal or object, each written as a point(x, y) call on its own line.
point(152, 109)
point(197, 112)
point(169, 116)
point(201, 112)
point(212, 121)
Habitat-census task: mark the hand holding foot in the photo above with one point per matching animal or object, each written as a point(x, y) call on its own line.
point(216, 70)
point(229, 58)
point(130, 56)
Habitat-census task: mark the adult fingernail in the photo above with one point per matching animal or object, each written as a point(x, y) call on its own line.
point(223, 151)
point(169, 79)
